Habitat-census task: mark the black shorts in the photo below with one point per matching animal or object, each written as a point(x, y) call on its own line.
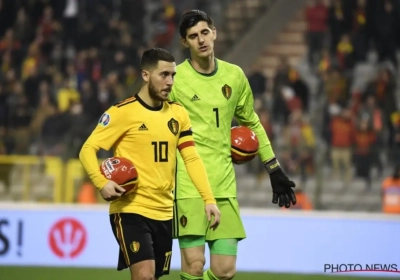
point(140, 239)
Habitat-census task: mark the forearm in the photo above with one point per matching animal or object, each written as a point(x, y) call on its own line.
point(265, 150)
point(88, 158)
point(197, 173)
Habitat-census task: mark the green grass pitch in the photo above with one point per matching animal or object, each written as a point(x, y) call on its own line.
point(47, 273)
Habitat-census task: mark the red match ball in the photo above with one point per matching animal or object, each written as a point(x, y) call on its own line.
point(121, 171)
point(244, 144)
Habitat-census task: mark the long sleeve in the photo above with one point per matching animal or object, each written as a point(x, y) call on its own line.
point(107, 132)
point(88, 158)
point(194, 164)
point(246, 116)
point(197, 173)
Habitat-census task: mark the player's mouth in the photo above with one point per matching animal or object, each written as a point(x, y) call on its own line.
point(203, 48)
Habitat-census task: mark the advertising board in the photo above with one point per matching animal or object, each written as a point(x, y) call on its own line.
point(277, 241)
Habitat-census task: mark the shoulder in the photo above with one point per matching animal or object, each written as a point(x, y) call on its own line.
point(232, 71)
point(233, 68)
point(125, 103)
point(183, 65)
point(118, 110)
point(177, 109)
point(174, 104)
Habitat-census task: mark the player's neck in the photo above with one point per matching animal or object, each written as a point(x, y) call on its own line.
point(204, 65)
point(150, 102)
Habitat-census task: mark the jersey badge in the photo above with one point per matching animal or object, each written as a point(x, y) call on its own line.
point(183, 220)
point(227, 91)
point(104, 119)
point(135, 246)
point(173, 125)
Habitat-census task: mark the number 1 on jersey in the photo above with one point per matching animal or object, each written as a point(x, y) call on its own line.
point(215, 110)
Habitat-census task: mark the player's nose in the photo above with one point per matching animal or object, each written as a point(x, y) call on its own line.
point(169, 81)
point(201, 40)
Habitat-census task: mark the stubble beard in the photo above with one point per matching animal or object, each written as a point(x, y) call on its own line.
point(155, 94)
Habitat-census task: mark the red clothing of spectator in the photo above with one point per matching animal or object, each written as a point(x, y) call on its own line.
point(342, 132)
point(363, 141)
point(316, 17)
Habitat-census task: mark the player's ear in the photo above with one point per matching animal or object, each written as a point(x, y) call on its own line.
point(184, 42)
point(214, 31)
point(145, 75)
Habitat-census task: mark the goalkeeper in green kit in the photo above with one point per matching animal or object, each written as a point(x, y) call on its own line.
point(214, 92)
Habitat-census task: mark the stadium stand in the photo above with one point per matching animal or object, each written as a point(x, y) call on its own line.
point(325, 89)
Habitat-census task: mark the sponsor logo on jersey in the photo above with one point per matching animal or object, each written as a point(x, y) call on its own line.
point(195, 98)
point(143, 127)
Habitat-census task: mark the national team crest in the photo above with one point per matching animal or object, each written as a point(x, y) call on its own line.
point(135, 246)
point(173, 125)
point(183, 220)
point(227, 91)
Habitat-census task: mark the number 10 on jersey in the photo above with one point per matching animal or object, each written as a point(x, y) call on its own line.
point(160, 151)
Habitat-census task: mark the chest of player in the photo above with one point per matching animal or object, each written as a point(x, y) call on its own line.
point(156, 133)
point(215, 94)
point(157, 127)
point(211, 103)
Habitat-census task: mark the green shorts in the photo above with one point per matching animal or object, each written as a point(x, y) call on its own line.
point(190, 221)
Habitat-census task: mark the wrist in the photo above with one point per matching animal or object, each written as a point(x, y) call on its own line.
point(272, 165)
point(210, 201)
point(100, 184)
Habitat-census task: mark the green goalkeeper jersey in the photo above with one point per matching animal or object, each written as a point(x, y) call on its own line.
point(213, 101)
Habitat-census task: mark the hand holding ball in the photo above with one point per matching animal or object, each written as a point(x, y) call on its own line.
point(121, 171)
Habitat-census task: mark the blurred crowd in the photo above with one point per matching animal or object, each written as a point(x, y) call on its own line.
point(358, 125)
point(63, 62)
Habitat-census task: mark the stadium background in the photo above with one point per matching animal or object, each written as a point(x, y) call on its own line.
point(324, 79)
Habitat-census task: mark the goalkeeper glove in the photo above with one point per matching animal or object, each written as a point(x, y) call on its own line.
point(282, 187)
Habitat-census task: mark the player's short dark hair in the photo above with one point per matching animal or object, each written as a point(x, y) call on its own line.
point(191, 18)
point(151, 57)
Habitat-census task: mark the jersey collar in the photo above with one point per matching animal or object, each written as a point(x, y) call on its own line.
point(203, 74)
point(158, 108)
